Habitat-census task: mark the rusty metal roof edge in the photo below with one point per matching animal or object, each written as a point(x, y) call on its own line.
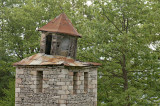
point(52, 65)
point(57, 65)
point(78, 35)
point(41, 59)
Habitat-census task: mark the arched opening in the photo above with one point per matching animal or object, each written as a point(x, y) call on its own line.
point(48, 44)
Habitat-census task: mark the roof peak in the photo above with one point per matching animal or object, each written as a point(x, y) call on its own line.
point(60, 24)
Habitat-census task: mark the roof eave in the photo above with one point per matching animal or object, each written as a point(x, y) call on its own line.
point(78, 35)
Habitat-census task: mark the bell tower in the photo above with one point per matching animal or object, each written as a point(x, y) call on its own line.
point(53, 77)
point(59, 37)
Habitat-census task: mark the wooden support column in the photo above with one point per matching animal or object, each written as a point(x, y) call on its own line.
point(43, 42)
point(54, 44)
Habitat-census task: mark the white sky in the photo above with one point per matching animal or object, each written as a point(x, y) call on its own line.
point(89, 3)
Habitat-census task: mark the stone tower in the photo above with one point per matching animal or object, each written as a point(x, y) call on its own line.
point(53, 77)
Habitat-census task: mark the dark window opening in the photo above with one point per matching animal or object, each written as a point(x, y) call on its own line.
point(85, 82)
point(58, 44)
point(39, 81)
point(48, 44)
point(75, 80)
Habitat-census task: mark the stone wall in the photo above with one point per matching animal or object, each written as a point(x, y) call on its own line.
point(56, 87)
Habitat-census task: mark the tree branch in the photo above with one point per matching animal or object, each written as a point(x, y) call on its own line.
point(110, 20)
point(127, 26)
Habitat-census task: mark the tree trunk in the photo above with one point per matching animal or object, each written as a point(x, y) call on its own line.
point(125, 76)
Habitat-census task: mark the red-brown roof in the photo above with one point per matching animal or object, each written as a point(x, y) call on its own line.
point(60, 24)
point(42, 59)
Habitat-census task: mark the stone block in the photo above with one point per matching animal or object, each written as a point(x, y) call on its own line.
point(17, 90)
point(78, 91)
point(69, 83)
point(63, 96)
point(80, 74)
point(33, 86)
point(45, 79)
point(64, 87)
point(18, 99)
point(18, 80)
point(70, 73)
point(57, 87)
point(94, 72)
point(35, 91)
point(61, 92)
point(45, 85)
point(70, 87)
point(61, 101)
point(94, 82)
point(19, 71)
point(81, 87)
point(90, 86)
point(63, 105)
point(16, 94)
point(21, 86)
point(17, 105)
point(64, 71)
point(56, 97)
point(67, 92)
point(87, 70)
point(46, 72)
point(60, 83)
point(36, 82)
point(61, 76)
point(38, 104)
point(52, 80)
point(33, 79)
point(79, 82)
point(33, 73)
point(22, 95)
point(82, 78)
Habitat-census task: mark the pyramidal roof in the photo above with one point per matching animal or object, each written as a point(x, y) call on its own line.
point(60, 24)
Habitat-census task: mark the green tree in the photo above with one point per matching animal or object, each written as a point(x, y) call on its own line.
point(9, 99)
point(119, 37)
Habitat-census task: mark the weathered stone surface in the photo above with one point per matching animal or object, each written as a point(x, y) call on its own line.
point(20, 71)
point(17, 90)
point(38, 105)
point(55, 87)
point(33, 72)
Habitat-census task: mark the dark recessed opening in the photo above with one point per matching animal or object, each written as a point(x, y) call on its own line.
point(85, 82)
point(39, 81)
point(58, 44)
point(48, 44)
point(75, 80)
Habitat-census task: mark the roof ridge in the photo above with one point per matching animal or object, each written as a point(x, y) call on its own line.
point(59, 22)
point(70, 24)
point(55, 19)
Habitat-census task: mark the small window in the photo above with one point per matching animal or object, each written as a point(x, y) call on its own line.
point(48, 44)
point(65, 43)
point(39, 81)
point(75, 80)
point(85, 82)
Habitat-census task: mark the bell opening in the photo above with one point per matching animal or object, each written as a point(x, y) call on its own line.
point(48, 44)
